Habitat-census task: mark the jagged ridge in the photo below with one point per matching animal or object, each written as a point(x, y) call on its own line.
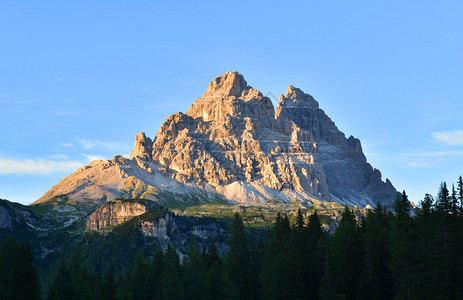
point(233, 144)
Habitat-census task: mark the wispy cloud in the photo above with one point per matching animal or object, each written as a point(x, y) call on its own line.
point(416, 165)
point(167, 105)
point(60, 156)
point(433, 154)
point(449, 137)
point(95, 144)
point(37, 166)
point(63, 112)
point(4, 100)
point(92, 157)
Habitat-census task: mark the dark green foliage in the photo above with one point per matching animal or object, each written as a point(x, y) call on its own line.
point(8, 252)
point(402, 249)
point(274, 274)
point(62, 287)
point(444, 203)
point(315, 256)
point(172, 278)
point(376, 281)
point(195, 273)
point(24, 283)
point(238, 259)
point(406, 255)
point(73, 281)
point(460, 194)
point(344, 256)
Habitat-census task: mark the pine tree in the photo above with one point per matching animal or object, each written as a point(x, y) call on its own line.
point(156, 269)
point(195, 273)
point(344, 258)
point(62, 286)
point(172, 279)
point(376, 277)
point(315, 256)
point(274, 274)
point(8, 252)
point(444, 204)
point(402, 250)
point(460, 194)
point(24, 282)
point(140, 275)
point(297, 257)
point(446, 245)
point(427, 204)
point(238, 259)
point(108, 288)
point(454, 200)
point(80, 275)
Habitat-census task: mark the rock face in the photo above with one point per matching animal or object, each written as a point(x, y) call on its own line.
point(116, 212)
point(13, 215)
point(232, 144)
point(348, 174)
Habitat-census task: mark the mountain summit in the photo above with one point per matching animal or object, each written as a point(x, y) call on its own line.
point(233, 145)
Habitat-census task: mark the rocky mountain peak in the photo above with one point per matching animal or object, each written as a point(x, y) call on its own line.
point(233, 144)
point(228, 96)
point(231, 84)
point(295, 97)
point(143, 147)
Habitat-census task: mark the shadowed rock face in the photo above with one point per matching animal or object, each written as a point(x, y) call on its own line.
point(234, 143)
point(348, 175)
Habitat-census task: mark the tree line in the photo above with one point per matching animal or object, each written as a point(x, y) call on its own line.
point(411, 254)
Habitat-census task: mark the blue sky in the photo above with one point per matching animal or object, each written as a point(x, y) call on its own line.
point(80, 79)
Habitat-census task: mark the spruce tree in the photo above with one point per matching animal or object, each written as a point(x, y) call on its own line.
point(195, 273)
point(8, 252)
point(315, 256)
point(344, 258)
point(454, 200)
point(460, 194)
point(274, 274)
point(24, 282)
point(297, 257)
point(376, 277)
point(172, 278)
point(62, 286)
point(108, 288)
point(444, 204)
point(402, 250)
point(237, 261)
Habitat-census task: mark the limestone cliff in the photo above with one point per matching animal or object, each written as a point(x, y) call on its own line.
point(115, 212)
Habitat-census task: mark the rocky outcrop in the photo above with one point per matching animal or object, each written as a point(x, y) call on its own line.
point(13, 215)
point(233, 145)
point(170, 228)
point(143, 147)
point(115, 212)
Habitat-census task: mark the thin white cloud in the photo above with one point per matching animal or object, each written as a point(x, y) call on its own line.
point(60, 156)
point(37, 166)
point(95, 144)
point(433, 154)
point(449, 137)
point(415, 165)
point(92, 157)
point(63, 112)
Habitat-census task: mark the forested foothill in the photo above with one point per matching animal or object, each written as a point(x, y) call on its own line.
point(408, 254)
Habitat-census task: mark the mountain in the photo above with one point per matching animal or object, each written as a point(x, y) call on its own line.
point(233, 146)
